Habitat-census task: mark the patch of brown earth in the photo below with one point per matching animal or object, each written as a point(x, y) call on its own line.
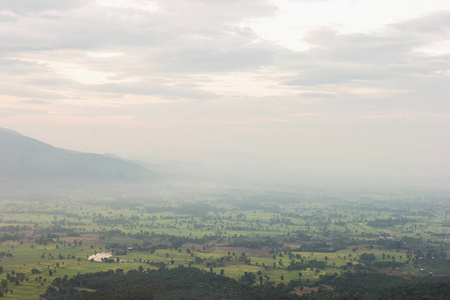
point(306, 290)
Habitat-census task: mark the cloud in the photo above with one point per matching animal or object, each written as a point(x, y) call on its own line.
point(151, 89)
point(177, 39)
point(316, 95)
point(211, 83)
point(182, 38)
point(377, 70)
point(437, 23)
point(38, 102)
point(37, 6)
point(7, 17)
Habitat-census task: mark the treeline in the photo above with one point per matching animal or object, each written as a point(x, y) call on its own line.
point(255, 243)
point(177, 283)
point(166, 241)
point(13, 229)
point(316, 247)
point(187, 208)
point(303, 265)
point(57, 228)
point(192, 283)
point(383, 223)
point(9, 237)
point(372, 285)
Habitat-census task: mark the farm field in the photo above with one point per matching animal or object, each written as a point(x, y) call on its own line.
point(294, 240)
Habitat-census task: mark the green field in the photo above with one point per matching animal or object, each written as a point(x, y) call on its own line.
point(276, 238)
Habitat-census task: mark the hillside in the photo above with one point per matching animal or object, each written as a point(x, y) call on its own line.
point(22, 157)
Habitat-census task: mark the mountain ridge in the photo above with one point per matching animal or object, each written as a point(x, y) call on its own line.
point(28, 158)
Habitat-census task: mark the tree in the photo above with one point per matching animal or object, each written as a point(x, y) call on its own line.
point(367, 258)
point(248, 278)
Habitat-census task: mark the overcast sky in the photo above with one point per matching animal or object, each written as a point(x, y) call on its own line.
point(306, 90)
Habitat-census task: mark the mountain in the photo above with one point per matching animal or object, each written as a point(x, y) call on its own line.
point(22, 157)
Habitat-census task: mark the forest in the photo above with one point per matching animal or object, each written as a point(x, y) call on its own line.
point(192, 283)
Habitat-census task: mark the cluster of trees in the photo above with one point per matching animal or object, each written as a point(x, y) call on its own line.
point(387, 264)
point(303, 265)
point(373, 285)
point(13, 229)
point(9, 237)
point(14, 278)
point(256, 243)
point(316, 247)
point(166, 241)
point(186, 208)
point(367, 258)
point(57, 228)
point(384, 223)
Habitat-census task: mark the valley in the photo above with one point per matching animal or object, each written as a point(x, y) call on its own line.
point(275, 238)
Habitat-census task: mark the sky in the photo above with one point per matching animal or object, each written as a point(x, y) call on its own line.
point(298, 91)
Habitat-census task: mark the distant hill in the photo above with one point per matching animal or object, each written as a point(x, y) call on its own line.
point(22, 157)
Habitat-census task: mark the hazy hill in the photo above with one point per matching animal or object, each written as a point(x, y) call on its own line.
point(22, 157)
